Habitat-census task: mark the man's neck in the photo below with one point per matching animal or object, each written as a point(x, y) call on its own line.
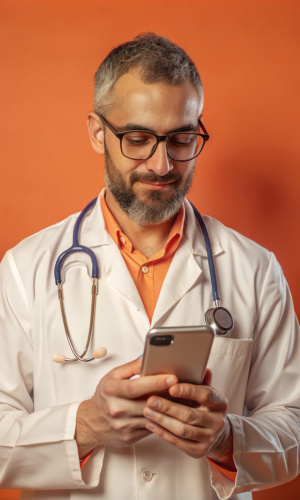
point(147, 239)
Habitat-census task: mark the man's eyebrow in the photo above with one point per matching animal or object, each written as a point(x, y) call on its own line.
point(135, 126)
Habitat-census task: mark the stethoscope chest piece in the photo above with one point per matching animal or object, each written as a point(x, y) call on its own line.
point(220, 320)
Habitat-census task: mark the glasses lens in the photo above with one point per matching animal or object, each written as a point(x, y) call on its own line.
point(138, 144)
point(184, 146)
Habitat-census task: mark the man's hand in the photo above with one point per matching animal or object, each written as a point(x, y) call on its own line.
point(199, 430)
point(114, 415)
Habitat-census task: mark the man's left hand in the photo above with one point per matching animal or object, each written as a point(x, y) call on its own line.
point(199, 430)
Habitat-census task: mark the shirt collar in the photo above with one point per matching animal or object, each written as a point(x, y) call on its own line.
point(116, 233)
point(92, 233)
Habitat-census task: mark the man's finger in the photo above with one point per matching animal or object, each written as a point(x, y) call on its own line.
point(139, 387)
point(207, 377)
point(158, 408)
point(202, 394)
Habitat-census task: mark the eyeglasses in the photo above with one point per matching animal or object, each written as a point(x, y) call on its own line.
point(141, 144)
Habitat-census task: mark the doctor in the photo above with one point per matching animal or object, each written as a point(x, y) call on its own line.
point(84, 430)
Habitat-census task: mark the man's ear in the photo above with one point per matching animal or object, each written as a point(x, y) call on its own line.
point(95, 128)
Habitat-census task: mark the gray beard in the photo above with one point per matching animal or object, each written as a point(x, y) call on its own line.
point(137, 210)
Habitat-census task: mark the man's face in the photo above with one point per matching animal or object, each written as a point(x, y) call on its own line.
point(150, 191)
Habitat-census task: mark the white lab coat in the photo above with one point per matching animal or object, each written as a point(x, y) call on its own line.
point(257, 367)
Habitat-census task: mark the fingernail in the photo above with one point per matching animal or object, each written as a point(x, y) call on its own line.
point(176, 391)
point(155, 403)
point(171, 381)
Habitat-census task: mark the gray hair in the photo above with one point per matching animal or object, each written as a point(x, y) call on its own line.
point(156, 58)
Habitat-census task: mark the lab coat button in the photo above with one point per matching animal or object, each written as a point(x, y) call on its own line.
point(147, 475)
point(145, 269)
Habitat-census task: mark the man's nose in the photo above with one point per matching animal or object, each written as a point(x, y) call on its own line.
point(159, 162)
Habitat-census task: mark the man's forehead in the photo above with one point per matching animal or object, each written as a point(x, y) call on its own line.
point(136, 102)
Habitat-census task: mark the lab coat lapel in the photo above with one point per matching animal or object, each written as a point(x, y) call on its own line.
point(117, 274)
point(182, 274)
point(185, 268)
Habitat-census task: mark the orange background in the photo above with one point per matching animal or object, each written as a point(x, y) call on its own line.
point(248, 174)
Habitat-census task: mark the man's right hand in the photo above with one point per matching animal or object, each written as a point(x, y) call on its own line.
point(114, 415)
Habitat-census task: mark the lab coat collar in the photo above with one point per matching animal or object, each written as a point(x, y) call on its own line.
point(92, 232)
point(195, 236)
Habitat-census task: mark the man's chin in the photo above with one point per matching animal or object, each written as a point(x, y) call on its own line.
point(153, 211)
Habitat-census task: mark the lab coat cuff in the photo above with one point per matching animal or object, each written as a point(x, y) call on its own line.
point(222, 484)
point(89, 474)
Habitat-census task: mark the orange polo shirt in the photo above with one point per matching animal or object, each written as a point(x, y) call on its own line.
point(147, 274)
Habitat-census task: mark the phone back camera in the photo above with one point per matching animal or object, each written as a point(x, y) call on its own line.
point(161, 340)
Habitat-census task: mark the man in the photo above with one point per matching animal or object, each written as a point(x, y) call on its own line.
point(80, 430)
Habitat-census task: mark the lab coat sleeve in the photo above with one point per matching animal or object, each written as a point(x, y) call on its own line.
point(266, 438)
point(37, 448)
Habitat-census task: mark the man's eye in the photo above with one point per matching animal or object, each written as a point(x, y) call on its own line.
point(182, 139)
point(137, 139)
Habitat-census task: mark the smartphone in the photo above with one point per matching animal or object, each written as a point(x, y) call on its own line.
point(182, 351)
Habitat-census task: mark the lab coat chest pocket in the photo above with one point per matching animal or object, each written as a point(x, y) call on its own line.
point(229, 362)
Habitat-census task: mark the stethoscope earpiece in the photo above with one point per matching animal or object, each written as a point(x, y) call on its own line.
point(220, 320)
point(97, 354)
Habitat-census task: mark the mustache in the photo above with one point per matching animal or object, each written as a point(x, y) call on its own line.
point(153, 177)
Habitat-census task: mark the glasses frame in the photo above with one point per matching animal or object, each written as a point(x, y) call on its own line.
point(159, 138)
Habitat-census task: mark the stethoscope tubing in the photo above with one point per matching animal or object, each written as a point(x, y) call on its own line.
point(76, 247)
point(214, 285)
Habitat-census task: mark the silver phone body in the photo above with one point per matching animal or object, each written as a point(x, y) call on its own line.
point(185, 355)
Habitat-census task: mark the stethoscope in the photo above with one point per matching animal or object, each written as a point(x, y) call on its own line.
point(217, 317)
